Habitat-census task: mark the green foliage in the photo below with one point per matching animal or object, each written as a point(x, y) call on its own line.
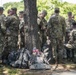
point(48, 5)
point(19, 5)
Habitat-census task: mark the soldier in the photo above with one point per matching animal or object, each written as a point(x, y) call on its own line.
point(12, 30)
point(72, 42)
point(69, 21)
point(21, 28)
point(12, 27)
point(6, 50)
point(42, 24)
point(14, 11)
point(56, 25)
point(2, 30)
point(69, 24)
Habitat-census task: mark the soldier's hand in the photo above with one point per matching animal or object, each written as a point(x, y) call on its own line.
point(63, 39)
point(70, 42)
point(43, 27)
point(47, 37)
point(39, 33)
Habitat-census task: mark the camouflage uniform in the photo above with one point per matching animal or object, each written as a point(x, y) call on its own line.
point(42, 24)
point(69, 24)
point(12, 32)
point(56, 25)
point(2, 32)
point(21, 30)
point(72, 42)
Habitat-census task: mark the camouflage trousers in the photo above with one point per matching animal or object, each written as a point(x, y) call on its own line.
point(57, 48)
point(12, 42)
point(22, 43)
point(10, 45)
point(42, 37)
point(2, 44)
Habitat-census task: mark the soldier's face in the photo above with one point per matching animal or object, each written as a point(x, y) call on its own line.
point(10, 12)
point(42, 15)
point(70, 16)
point(21, 15)
point(1, 12)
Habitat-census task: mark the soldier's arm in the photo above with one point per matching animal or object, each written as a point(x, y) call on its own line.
point(49, 27)
point(44, 26)
point(64, 26)
point(3, 22)
point(3, 26)
point(70, 37)
point(39, 23)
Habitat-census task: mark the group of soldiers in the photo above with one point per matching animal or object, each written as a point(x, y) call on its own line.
point(56, 32)
point(61, 34)
point(10, 29)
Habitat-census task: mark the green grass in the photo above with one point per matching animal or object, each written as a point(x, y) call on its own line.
point(6, 70)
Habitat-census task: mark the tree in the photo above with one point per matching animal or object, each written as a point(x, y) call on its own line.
point(31, 27)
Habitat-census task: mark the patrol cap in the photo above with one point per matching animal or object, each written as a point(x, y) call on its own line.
point(44, 12)
point(69, 13)
point(1, 8)
point(14, 8)
point(57, 10)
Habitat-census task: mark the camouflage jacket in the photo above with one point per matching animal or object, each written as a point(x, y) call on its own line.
point(21, 25)
point(12, 25)
point(57, 25)
point(42, 24)
point(69, 24)
point(72, 39)
point(72, 36)
point(2, 23)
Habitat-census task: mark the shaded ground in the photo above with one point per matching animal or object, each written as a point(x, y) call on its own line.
point(64, 69)
point(70, 72)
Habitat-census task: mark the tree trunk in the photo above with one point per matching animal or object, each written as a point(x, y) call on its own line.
point(31, 27)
